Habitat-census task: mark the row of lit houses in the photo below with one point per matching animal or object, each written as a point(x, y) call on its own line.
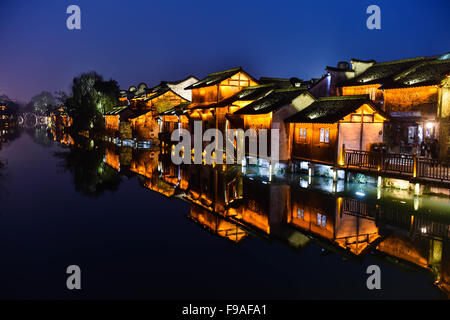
point(353, 106)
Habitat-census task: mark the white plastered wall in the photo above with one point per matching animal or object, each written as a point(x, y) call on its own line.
point(350, 135)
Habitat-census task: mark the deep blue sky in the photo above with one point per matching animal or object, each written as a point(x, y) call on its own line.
point(134, 41)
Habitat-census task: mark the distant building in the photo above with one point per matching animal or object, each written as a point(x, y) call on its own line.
point(6, 116)
point(328, 85)
point(60, 118)
point(146, 103)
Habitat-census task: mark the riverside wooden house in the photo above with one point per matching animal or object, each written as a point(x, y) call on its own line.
point(410, 91)
point(210, 93)
point(218, 98)
point(172, 119)
point(117, 124)
point(321, 130)
point(141, 105)
point(419, 98)
point(148, 104)
point(369, 76)
point(269, 112)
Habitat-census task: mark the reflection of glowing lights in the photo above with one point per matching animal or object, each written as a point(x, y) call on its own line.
point(360, 194)
point(416, 203)
point(417, 189)
point(423, 230)
point(304, 165)
point(429, 125)
point(398, 183)
point(303, 183)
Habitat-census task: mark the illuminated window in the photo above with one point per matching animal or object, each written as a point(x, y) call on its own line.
point(368, 118)
point(237, 80)
point(372, 93)
point(321, 220)
point(300, 213)
point(302, 133)
point(356, 118)
point(324, 135)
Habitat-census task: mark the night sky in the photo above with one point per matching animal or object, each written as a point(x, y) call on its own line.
point(150, 41)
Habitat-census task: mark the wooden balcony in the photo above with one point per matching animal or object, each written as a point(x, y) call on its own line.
point(405, 165)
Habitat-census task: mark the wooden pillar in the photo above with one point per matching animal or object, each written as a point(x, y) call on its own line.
point(415, 166)
point(361, 130)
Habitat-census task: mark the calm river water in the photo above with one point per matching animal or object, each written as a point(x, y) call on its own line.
point(140, 227)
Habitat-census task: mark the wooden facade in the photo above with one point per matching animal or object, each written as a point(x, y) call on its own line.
point(370, 89)
point(170, 120)
point(160, 102)
point(310, 146)
point(411, 91)
point(154, 102)
point(209, 98)
point(145, 126)
point(350, 122)
point(269, 112)
point(117, 124)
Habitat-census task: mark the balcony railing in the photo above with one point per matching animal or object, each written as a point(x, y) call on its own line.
point(395, 163)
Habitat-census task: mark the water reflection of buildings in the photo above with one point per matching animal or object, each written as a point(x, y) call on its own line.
point(60, 136)
point(325, 216)
point(234, 204)
point(217, 225)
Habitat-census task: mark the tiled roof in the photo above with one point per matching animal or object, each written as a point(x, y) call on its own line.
point(424, 74)
point(215, 78)
point(272, 101)
point(115, 111)
point(177, 110)
point(282, 82)
point(382, 72)
point(142, 90)
point(330, 109)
